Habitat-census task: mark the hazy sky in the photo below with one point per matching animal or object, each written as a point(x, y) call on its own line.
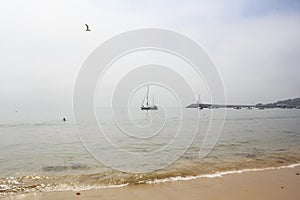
point(255, 44)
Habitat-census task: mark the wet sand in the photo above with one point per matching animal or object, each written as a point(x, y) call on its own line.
point(268, 184)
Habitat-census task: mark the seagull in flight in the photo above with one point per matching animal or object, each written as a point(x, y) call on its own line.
point(87, 27)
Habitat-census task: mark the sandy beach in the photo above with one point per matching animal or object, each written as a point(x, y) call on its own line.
point(268, 184)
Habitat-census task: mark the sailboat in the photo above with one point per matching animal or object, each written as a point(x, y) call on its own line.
point(148, 106)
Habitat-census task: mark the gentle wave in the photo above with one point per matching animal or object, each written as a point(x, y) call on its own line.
point(6, 190)
point(219, 174)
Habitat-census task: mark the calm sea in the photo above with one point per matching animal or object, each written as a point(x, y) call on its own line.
point(40, 152)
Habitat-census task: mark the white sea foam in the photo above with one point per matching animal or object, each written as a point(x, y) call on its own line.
point(66, 187)
point(4, 187)
point(218, 174)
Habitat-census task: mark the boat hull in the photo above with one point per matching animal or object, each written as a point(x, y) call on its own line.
point(149, 108)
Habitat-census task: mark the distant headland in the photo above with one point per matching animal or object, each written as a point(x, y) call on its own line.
point(283, 104)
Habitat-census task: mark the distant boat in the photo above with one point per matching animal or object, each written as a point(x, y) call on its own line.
point(237, 107)
point(148, 106)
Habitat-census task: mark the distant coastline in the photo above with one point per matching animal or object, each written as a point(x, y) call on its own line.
point(283, 104)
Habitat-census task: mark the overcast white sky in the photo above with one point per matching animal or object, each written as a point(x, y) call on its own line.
point(255, 44)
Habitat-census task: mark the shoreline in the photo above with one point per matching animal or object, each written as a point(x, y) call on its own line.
point(269, 183)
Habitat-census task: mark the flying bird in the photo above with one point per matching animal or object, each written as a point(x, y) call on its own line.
point(87, 27)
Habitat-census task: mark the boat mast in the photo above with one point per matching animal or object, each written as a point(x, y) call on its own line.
point(143, 101)
point(147, 94)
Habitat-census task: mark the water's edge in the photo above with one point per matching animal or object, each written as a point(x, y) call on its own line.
point(66, 187)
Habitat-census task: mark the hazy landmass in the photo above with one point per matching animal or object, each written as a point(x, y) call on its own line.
point(289, 103)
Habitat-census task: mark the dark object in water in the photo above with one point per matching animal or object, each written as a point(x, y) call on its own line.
point(281, 187)
point(280, 161)
point(87, 28)
point(78, 193)
point(297, 174)
point(64, 119)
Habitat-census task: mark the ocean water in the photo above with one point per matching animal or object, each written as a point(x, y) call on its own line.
point(40, 152)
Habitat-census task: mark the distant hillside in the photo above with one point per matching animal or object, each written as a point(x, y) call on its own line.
point(289, 103)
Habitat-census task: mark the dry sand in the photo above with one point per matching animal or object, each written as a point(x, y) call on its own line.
point(268, 184)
